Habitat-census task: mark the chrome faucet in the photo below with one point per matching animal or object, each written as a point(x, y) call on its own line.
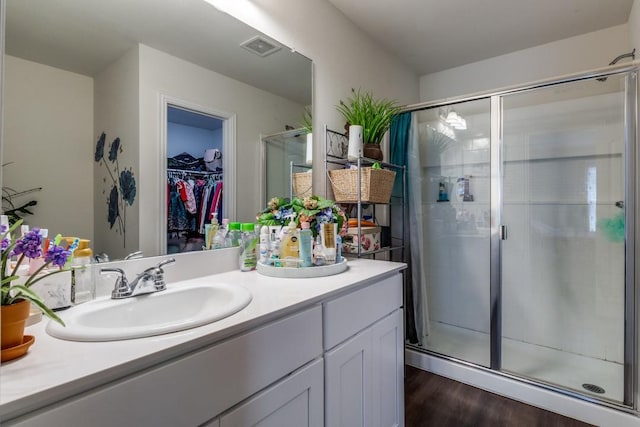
point(150, 280)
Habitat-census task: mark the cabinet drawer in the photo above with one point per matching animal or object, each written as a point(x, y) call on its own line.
point(347, 315)
point(199, 386)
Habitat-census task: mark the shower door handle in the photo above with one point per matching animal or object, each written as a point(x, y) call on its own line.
point(503, 232)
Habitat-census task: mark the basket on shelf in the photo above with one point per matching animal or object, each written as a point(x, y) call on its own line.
point(302, 184)
point(375, 185)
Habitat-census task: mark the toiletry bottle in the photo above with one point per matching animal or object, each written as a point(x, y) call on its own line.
point(443, 196)
point(82, 285)
point(338, 249)
point(210, 231)
point(219, 240)
point(233, 236)
point(264, 245)
point(318, 253)
point(289, 245)
point(306, 245)
point(274, 251)
point(248, 247)
point(328, 233)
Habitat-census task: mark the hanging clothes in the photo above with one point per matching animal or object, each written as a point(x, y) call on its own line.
point(190, 200)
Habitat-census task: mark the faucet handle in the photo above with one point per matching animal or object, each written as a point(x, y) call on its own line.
point(157, 274)
point(121, 288)
point(165, 262)
point(133, 255)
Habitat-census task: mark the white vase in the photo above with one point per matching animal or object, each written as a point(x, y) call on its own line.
point(355, 142)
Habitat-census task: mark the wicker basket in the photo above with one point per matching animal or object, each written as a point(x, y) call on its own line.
point(302, 184)
point(375, 185)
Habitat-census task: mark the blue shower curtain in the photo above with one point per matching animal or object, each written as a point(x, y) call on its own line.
point(405, 150)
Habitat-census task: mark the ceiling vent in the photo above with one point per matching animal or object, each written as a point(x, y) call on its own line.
point(260, 46)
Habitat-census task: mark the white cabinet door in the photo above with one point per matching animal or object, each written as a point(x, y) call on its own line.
point(295, 401)
point(348, 383)
point(388, 371)
point(364, 377)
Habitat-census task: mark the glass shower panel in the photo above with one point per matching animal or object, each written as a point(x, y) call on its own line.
point(282, 153)
point(455, 155)
point(563, 261)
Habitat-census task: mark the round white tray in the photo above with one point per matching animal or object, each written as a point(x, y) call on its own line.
point(301, 273)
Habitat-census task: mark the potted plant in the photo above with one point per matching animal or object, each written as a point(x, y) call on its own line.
point(15, 298)
point(374, 115)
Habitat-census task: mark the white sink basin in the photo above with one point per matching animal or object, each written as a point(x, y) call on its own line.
point(179, 307)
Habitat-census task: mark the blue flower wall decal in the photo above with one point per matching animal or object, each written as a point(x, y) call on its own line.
point(123, 185)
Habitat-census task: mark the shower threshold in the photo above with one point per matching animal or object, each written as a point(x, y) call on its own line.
point(538, 363)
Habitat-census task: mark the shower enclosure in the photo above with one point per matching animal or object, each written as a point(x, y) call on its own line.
point(528, 247)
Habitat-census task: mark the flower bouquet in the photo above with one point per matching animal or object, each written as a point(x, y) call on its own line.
point(314, 209)
point(29, 247)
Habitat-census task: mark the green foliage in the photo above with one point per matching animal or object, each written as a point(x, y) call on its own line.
point(314, 209)
point(307, 120)
point(374, 115)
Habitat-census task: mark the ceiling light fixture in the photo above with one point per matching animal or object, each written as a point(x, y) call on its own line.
point(456, 121)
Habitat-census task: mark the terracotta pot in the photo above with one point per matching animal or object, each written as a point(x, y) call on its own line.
point(12, 321)
point(373, 151)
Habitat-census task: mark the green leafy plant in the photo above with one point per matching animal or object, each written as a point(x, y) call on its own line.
point(313, 209)
point(374, 115)
point(10, 208)
point(307, 122)
point(29, 247)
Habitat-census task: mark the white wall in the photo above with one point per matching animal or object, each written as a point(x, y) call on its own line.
point(48, 122)
point(257, 112)
point(190, 139)
point(634, 26)
point(343, 58)
point(116, 114)
point(575, 54)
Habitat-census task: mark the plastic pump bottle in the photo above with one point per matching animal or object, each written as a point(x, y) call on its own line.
point(306, 245)
point(248, 245)
point(219, 240)
point(264, 245)
point(234, 235)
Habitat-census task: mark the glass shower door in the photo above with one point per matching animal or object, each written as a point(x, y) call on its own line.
point(563, 259)
point(454, 159)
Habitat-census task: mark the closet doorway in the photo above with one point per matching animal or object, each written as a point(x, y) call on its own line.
point(194, 176)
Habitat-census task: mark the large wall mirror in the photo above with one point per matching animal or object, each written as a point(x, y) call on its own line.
point(103, 94)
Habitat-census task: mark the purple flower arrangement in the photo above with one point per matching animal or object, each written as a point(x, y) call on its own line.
point(29, 246)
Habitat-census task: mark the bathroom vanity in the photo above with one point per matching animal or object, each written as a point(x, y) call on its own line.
point(320, 351)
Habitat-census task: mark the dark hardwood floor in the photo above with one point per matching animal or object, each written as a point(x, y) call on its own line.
point(432, 400)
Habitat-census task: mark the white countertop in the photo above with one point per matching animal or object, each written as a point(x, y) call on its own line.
point(54, 369)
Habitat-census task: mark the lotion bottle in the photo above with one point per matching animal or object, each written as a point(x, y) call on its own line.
point(306, 243)
point(264, 244)
point(289, 245)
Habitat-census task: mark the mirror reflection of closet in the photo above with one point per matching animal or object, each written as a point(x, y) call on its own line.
point(194, 176)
